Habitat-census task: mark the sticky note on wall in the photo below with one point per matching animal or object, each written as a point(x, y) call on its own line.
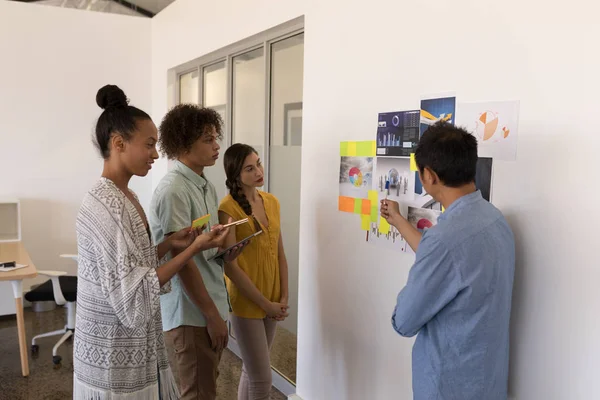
point(365, 207)
point(365, 222)
point(346, 204)
point(358, 149)
point(344, 149)
point(374, 199)
point(352, 149)
point(373, 196)
point(366, 149)
point(384, 227)
point(374, 214)
point(413, 163)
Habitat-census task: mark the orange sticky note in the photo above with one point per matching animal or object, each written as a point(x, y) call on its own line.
point(366, 207)
point(413, 163)
point(365, 222)
point(384, 227)
point(346, 204)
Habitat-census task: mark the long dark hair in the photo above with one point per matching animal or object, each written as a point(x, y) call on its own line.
point(234, 163)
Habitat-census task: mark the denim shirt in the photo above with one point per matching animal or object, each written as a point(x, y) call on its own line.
point(458, 300)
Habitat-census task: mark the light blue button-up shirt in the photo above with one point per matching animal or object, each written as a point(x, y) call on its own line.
point(458, 300)
point(181, 197)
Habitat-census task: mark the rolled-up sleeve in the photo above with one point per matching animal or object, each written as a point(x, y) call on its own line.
point(433, 282)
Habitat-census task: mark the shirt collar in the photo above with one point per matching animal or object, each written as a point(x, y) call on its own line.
point(198, 180)
point(460, 203)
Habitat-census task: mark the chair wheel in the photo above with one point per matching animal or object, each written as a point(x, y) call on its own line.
point(56, 361)
point(35, 349)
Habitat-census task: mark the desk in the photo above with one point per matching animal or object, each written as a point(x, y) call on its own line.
point(15, 251)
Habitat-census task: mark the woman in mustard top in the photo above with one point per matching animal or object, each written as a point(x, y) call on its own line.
point(258, 279)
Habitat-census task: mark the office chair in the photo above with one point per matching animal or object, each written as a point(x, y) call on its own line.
point(61, 289)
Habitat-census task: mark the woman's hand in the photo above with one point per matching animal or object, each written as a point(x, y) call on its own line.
point(182, 239)
point(277, 311)
point(209, 240)
point(284, 300)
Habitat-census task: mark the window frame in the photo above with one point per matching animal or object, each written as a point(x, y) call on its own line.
point(226, 54)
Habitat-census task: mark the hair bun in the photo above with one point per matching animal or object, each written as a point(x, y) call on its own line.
point(111, 96)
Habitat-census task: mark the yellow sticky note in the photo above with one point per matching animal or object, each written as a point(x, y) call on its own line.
point(443, 209)
point(201, 221)
point(413, 163)
point(373, 195)
point(343, 149)
point(365, 222)
point(384, 227)
point(351, 149)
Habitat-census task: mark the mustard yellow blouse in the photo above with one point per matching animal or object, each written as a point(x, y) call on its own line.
point(260, 258)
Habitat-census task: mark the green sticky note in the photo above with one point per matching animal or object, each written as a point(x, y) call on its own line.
point(374, 214)
point(357, 206)
point(365, 149)
point(344, 149)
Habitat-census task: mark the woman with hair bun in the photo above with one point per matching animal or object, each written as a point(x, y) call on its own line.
point(119, 351)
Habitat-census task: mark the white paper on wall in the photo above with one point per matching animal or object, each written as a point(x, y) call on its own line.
point(494, 124)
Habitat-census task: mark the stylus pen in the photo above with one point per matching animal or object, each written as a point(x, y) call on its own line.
point(387, 189)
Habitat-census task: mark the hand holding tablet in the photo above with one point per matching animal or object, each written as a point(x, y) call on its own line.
point(242, 243)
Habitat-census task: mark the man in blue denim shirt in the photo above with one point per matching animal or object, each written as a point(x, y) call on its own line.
point(458, 295)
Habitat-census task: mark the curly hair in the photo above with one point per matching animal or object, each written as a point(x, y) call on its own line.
point(184, 125)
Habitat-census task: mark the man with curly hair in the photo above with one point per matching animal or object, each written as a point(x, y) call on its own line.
point(195, 311)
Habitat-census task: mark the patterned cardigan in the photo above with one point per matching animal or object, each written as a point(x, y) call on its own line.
point(119, 351)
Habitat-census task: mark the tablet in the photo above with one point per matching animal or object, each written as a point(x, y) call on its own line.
point(243, 241)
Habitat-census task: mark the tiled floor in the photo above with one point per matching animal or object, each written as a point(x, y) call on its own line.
point(283, 353)
point(46, 383)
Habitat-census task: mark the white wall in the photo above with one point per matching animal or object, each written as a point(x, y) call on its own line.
point(484, 50)
point(178, 37)
point(53, 62)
